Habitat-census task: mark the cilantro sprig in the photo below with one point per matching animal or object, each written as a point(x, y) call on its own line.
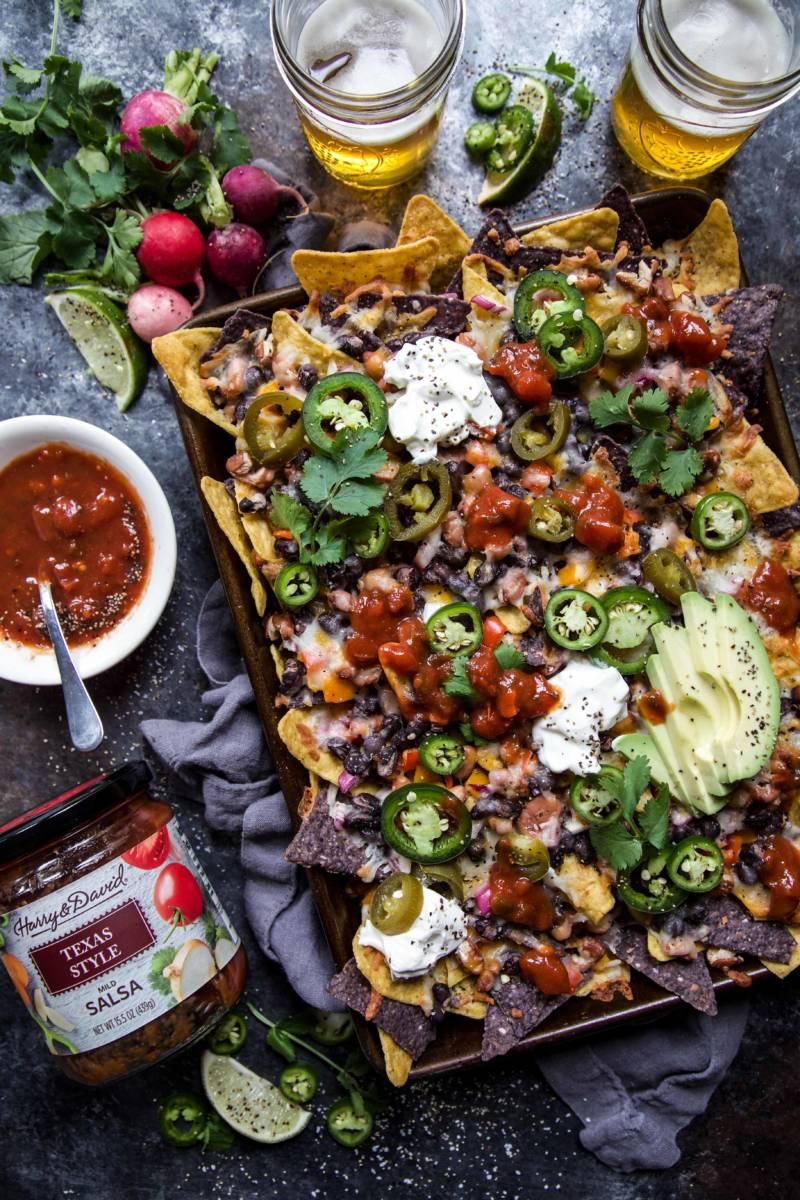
point(340, 486)
point(623, 842)
point(665, 451)
point(579, 92)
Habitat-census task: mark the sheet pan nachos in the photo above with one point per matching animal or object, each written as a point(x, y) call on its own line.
point(535, 619)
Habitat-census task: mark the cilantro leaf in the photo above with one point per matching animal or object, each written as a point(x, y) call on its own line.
point(653, 820)
point(646, 457)
point(361, 455)
point(611, 408)
point(120, 265)
point(635, 778)
point(21, 78)
point(329, 547)
point(458, 684)
point(469, 734)
point(161, 959)
point(617, 845)
point(694, 413)
point(319, 477)
point(560, 70)
point(287, 513)
point(507, 655)
point(355, 498)
point(162, 143)
point(650, 410)
point(679, 471)
point(72, 8)
point(230, 146)
point(24, 243)
point(583, 99)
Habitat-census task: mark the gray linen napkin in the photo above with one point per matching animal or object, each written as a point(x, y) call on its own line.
point(633, 1093)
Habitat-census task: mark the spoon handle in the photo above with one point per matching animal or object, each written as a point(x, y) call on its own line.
point(85, 726)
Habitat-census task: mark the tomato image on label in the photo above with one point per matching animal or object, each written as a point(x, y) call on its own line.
point(151, 852)
point(177, 896)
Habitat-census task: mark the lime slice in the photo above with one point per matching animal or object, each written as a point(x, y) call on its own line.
point(509, 185)
point(100, 330)
point(251, 1104)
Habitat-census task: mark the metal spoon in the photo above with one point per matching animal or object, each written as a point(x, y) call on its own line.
point(85, 726)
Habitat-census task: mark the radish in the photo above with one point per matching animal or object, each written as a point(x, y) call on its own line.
point(172, 250)
point(155, 108)
point(255, 194)
point(154, 310)
point(236, 255)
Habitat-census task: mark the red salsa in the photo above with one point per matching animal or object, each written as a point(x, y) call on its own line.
point(600, 515)
point(771, 592)
point(515, 897)
point(685, 333)
point(780, 872)
point(544, 968)
point(526, 371)
point(494, 518)
point(71, 518)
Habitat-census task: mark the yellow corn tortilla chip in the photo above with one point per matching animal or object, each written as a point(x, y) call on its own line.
point(784, 969)
point(179, 356)
point(784, 657)
point(397, 1061)
point(477, 262)
point(757, 474)
point(606, 970)
point(597, 228)
point(256, 525)
point(603, 305)
point(224, 509)
point(714, 252)
point(476, 284)
point(409, 266)
point(374, 968)
point(302, 731)
point(277, 658)
point(293, 346)
point(422, 219)
point(465, 1000)
point(755, 897)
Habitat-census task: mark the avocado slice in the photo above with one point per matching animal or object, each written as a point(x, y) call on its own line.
point(745, 664)
point(687, 735)
point(702, 627)
point(633, 745)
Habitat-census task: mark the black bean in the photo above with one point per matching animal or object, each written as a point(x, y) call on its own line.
point(293, 678)
point(242, 405)
point(486, 573)
point(333, 622)
point(766, 818)
point(366, 702)
point(541, 780)
point(254, 377)
point(307, 376)
point(286, 547)
point(454, 556)
point(746, 873)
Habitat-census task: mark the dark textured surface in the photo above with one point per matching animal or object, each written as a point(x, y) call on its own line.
point(498, 1131)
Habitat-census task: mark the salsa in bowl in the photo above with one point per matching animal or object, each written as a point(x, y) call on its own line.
point(78, 508)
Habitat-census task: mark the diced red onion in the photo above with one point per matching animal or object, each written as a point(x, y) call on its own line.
point(489, 305)
point(483, 900)
point(347, 781)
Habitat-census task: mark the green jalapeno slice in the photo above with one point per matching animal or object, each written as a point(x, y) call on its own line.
point(418, 500)
point(442, 753)
point(299, 1082)
point(513, 135)
point(344, 402)
point(480, 138)
point(720, 521)
point(297, 584)
point(273, 428)
point(575, 619)
point(368, 536)
point(534, 435)
point(426, 823)
point(528, 854)
point(443, 873)
point(229, 1036)
point(347, 1125)
point(551, 520)
point(491, 92)
point(591, 801)
point(332, 1029)
point(668, 574)
point(648, 888)
point(632, 611)
point(396, 903)
point(540, 295)
point(571, 344)
point(625, 338)
point(182, 1119)
point(455, 629)
point(696, 864)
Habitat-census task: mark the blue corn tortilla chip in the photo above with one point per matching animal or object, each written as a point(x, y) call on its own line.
point(782, 520)
point(405, 1023)
point(241, 322)
point(496, 239)
point(751, 311)
point(518, 1008)
point(688, 979)
point(449, 319)
point(319, 843)
point(632, 228)
point(723, 921)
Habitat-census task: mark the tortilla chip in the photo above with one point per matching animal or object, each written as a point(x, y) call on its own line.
point(597, 228)
point(256, 525)
point(690, 980)
point(729, 925)
point(714, 251)
point(750, 312)
point(475, 283)
point(320, 843)
point(467, 1001)
point(406, 1024)
point(632, 228)
point(375, 969)
point(294, 346)
point(409, 266)
point(518, 1008)
point(608, 975)
point(784, 969)
point(424, 219)
point(224, 509)
point(784, 657)
point(397, 1062)
point(302, 731)
point(179, 356)
point(584, 886)
point(757, 474)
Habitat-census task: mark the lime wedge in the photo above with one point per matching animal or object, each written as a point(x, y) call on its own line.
point(251, 1104)
point(100, 330)
point(511, 184)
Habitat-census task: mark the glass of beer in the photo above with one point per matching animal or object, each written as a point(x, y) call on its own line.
point(369, 80)
point(701, 77)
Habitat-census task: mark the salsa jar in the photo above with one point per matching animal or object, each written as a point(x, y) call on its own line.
point(110, 930)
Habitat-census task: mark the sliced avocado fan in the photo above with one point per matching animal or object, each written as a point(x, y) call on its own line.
point(723, 701)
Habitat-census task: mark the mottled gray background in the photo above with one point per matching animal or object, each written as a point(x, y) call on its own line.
point(496, 1132)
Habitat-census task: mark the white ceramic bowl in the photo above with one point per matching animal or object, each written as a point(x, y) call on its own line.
point(28, 664)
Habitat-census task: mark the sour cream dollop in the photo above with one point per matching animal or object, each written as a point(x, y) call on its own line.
point(439, 929)
point(441, 391)
point(593, 698)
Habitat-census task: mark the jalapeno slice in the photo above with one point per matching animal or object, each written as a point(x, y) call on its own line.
point(490, 93)
point(396, 903)
point(696, 864)
point(348, 1126)
point(632, 611)
point(426, 823)
point(182, 1119)
point(535, 435)
point(297, 584)
point(625, 338)
point(299, 1082)
point(648, 888)
point(455, 629)
point(418, 500)
point(572, 345)
point(273, 428)
point(480, 138)
point(720, 521)
point(442, 753)
point(591, 801)
point(528, 854)
point(575, 619)
point(513, 135)
point(368, 536)
point(540, 295)
point(332, 1029)
point(346, 401)
point(668, 574)
point(229, 1036)
point(443, 873)
point(551, 520)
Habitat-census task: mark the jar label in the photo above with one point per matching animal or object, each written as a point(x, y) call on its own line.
point(103, 955)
